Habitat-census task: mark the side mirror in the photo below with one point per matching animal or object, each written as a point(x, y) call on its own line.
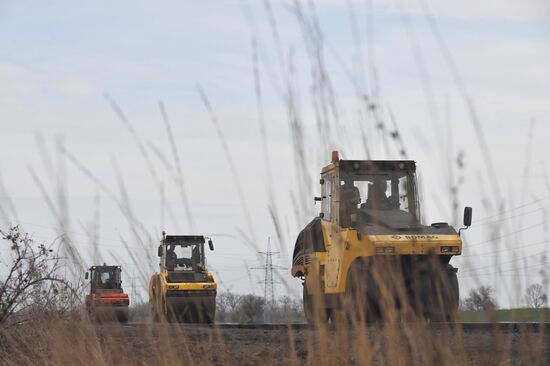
point(317, 199)
point(159, 252)
point(467, 219)
point(210, 244)
point(322, 181)
point(87, 275)
point(467, 216)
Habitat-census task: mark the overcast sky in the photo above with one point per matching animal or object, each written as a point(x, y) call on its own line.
point(63, 66)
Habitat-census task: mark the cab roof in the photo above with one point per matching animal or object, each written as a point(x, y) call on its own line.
point(105, 267)
point(367, 166)
point(184, 238)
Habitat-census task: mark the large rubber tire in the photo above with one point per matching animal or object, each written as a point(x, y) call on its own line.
point(193, 311)
point(158, 309)
point(453, 295)
point(437, 295)
point(156, 303)
point(122, 315)
point(360, 299)
point(423, 295)
point(171, 315)
point(210, 312)
point(314, 310)
point(201, 311)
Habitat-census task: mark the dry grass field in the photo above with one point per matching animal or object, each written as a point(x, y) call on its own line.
point(78, 342)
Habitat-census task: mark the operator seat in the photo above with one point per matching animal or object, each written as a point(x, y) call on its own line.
point(350, 197)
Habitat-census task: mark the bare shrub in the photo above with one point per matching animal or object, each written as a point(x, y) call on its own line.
point(535, 297)
point(252, 308)
point(29, 280)
point(287, 310)
point(227, 304)
point(480, 299)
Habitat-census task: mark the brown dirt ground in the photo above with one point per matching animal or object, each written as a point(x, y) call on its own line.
point(309, 346)
point(83, 343)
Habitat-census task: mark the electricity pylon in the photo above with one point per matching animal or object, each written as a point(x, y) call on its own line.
point(269, 282)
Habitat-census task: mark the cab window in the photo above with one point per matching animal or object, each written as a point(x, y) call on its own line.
point(326, 191)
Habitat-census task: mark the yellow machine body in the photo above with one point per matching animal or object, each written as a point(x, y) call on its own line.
point(353, 231)
point(329, 269)
point(184, 290)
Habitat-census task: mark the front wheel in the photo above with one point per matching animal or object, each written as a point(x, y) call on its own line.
point(452, 295)
point(122, 315)
point(359, 300)
point(314, 308)
point(437, 295)
point(156, 303)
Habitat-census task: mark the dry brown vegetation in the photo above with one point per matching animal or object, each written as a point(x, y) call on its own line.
point(30, 282)
point(71, 340)
point(52, 338)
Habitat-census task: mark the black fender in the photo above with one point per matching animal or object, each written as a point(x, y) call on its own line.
point(309, 240)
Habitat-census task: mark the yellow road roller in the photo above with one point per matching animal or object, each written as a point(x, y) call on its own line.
point(368, 256)
point(184, 290)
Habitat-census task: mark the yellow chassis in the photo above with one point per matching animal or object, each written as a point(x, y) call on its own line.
point(326, 272)
point(160, 292)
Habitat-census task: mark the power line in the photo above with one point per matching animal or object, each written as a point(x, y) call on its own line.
point(78, 233)
point(506, 262)
point(512, 209)
point(493, 253)
point(509, 234)
point(511, 270)
point(484, 222)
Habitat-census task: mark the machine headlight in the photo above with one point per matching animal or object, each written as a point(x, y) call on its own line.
point(449, 249)
point(387, 250)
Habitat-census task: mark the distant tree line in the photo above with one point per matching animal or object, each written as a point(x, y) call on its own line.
point(248, 308)
point(241, 309)
point(482, 298)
